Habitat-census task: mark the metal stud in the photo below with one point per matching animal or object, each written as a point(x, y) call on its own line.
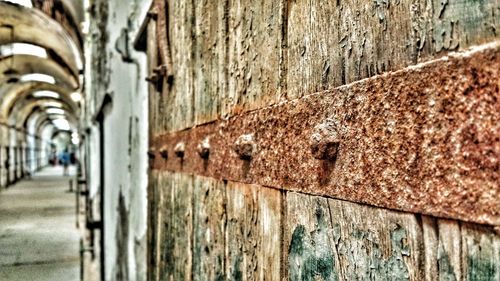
point(325, 140)
point(245, 146)
point(179, 149)
point(204, 148)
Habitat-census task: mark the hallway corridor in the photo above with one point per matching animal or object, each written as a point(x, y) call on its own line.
point(38, 237)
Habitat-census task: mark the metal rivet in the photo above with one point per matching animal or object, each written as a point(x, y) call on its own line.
point(152, 14)
point(160, 70)
point(325, 140)
point(245, 146)
point(179, 149)
point(164, 152)
point(204, 148)
point(151, 154)
point(152, 79)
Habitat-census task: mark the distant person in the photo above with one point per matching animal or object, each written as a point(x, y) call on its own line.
point(65, 160)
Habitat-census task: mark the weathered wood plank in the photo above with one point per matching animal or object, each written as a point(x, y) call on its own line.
point(480, 253)
point(164, 207)
point(176, 103)
point(338, 240)
point(460, 251)
point(254, 38)
point(152, 51)
point(335, 43)
point(253, 233)
point(182, 227)
point(310, 240)
point(209, 220)
point(442, 258)
point(458, 24)
point(210, 59)
point(153, 240)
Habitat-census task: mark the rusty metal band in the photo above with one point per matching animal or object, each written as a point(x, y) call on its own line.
point(162, 27)
point(422, 140)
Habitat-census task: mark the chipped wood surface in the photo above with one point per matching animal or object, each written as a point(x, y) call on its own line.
point(210, 48)
point(336, 43)
point(253, 233)
point(231, 61)
point(210, 230)
point(337, 240)
point(209, 223)
point(254, 39)
point(229, 58)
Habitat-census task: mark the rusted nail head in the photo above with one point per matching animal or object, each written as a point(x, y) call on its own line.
point(245, 146)
point(152, 79)
point(152, 14)
point(164, 152)
point(179, 149)
point(204, 148)
point(151, 154)
point(160, 70)
point(325, 140)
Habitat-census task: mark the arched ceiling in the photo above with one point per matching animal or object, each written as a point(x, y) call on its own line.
point(25, 25)
point(23, 111)
point(14, 93)
point(41, 119)
point(15, 66)
point(22, 99)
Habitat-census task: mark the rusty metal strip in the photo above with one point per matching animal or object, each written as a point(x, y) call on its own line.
point(162, 28)
point(424, 140)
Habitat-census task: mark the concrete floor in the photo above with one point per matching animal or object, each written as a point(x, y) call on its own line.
point(38, 237)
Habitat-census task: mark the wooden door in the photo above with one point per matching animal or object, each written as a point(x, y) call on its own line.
point(299, 140)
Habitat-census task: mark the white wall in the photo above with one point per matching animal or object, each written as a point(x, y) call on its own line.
point(125, 148)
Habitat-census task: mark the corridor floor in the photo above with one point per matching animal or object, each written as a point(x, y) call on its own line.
point(38, 237)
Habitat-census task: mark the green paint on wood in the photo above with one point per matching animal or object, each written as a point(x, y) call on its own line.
point(310, 255)
point(365, 260)
point(446, 270)
point(480, 269)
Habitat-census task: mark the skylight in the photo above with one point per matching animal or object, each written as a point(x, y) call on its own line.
point(55, 111)
point(76, 96)
point(22, 49)
point(61, 124)
point(46, 94)
point(25, 3)
point(38, 77)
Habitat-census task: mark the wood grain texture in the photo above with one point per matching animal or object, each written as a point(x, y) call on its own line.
point(154, 96)
point(229, 57)
point(254, 50)
point(174, 228)
point(336, 43)
point(182, 230)
point(337, 240)
point(209, 221)
point(165, 226)
point(253, 233)
point(153, 240)
point(210, 47)
point(205, 229)
point(176, 104)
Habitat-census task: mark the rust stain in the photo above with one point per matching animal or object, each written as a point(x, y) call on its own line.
point(424, 139)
